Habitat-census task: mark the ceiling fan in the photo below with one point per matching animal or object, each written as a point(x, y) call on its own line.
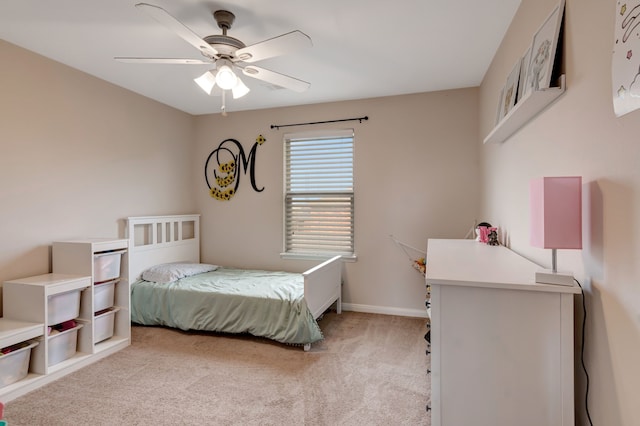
point(228, 54)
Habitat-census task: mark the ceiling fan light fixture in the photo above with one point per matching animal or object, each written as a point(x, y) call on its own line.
point(227, 54)
point(206, 81)
point(225, 77)
point(239, 90)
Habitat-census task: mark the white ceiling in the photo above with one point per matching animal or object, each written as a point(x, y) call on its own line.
point(361, 49)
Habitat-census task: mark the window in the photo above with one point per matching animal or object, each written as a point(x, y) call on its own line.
point(318, 199)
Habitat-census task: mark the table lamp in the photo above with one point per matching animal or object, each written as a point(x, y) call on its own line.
point(556, 221)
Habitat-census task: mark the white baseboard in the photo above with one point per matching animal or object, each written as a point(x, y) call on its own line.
point(385, 310)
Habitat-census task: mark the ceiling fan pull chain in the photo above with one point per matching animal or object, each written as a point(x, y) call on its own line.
point(224, 107)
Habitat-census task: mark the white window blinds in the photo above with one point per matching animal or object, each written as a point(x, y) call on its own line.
point(319, 193)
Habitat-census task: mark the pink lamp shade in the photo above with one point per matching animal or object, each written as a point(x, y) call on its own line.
point(556, 212)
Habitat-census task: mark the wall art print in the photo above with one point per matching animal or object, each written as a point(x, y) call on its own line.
point(543, 52)
point(626, 58)
point(222, 170)
point(511, 89)
point(499, 115)
point(523, 74)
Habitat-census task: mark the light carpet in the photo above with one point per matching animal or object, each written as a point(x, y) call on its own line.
point(370, 370)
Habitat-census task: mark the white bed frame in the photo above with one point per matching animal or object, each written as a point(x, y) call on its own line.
point(161, 239)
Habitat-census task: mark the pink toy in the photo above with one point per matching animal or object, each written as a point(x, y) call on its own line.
point(484, 233)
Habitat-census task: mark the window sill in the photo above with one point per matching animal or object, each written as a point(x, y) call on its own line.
point(310, 256)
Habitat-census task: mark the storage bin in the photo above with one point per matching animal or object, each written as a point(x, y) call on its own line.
point(14, 366)
point(62, 345)
point(106, 265)
point(103, 325)
point(103, 295)
point(63, 307)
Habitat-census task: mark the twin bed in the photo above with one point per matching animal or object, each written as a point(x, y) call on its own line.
point(178, 291)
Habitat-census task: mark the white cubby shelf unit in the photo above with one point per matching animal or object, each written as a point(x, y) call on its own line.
point(48, 299)
point(33, 305)
point(106, 262)
point(13, 332)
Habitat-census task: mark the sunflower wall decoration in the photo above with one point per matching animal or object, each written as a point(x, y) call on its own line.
point(224, 164)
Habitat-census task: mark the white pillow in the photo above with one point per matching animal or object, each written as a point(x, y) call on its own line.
point(169, 272)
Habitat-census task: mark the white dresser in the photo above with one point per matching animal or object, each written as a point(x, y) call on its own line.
point(501, 344)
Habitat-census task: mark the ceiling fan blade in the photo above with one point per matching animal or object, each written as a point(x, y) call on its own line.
point(286, 43)
point(166, 19)
point(177, 61)
point(276, 78)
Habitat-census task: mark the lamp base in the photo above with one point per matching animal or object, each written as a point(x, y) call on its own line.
point(557, 278)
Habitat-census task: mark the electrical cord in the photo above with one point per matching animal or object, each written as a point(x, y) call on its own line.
point(584, 367)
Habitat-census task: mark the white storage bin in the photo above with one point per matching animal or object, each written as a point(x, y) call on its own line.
point(14, 366)
point(106, 265)
point(63, 307)
point(62, 345)
point(103, 295)
point(103, 325)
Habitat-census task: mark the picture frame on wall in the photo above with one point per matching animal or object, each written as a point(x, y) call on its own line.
point(523, 74)
point(510, 91)
point(499, 115)
point(543, 51)
point(625, 63)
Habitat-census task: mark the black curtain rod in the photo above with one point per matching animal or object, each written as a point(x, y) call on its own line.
point(277, 126)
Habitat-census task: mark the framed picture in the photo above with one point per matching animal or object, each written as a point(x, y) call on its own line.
point(499, 114)
point(523, 74)
point(510, 90)
point(625, 66)
point(543, 51)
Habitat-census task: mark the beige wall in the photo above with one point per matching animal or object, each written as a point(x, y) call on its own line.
point(77, 156)
point(80, 154)
point(416, 177)
point(579, 135)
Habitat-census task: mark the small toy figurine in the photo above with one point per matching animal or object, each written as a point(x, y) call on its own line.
point(482, 232)
point(420, 265)
point(493, 238)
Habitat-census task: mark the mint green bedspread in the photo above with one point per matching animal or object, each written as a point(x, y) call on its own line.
point(266, 304)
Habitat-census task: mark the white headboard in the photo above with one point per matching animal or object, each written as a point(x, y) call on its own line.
point(161, 239)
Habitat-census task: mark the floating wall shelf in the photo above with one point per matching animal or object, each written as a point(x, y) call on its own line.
point(524, 111)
